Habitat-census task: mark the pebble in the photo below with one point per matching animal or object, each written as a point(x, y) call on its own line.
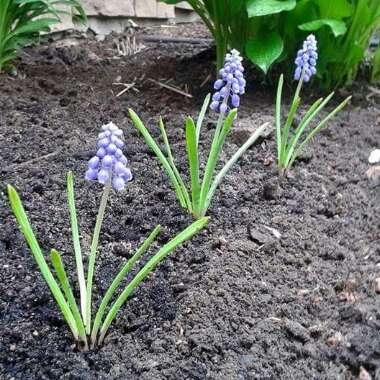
point(377, 285)
point(297, 330)
point(335, 339)
point(373, 175)
point(247, 126)
point(364, 375)
point(261, 234)
point(374, 157)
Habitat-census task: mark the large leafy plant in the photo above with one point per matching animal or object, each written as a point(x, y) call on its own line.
point(268, 31)
point(23, 21)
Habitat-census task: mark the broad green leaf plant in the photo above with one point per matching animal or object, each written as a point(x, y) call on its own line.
point(228, 90)
point(23, 21)
point(289, 145)
point(89, 332)
point(267, 31)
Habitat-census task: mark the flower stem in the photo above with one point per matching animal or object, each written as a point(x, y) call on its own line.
point(94, 247)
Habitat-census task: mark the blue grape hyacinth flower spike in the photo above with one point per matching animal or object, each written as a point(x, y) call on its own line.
point(230, 85)
point(109, 164)
point(306, 60)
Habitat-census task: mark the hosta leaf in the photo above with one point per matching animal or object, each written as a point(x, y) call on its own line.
point(268, 7)
point(264, 49)
point(338, 27)
point(336, 9)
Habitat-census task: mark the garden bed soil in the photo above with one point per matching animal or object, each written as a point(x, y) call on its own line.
point(281, 284)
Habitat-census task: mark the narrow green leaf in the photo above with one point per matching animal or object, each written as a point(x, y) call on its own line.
point(218, 179)
point(308, 117)
point(289, 121)
point(147, 269)
point(182, 185)
point(192, 154)
point(212, 160)
point(119, 278)
point(161, 157)
point(76, 242)
point(35, 26)
point(318, 128)
point(264, 49)
point(93, 252)
point(280, 143)
point(27, 231)
point(65, 284)
point(202, 115)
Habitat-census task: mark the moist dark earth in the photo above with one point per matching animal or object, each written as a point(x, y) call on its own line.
point(280, 285)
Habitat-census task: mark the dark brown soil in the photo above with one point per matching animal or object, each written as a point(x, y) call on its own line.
point(235, 302)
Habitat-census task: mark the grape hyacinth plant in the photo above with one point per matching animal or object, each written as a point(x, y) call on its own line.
point(230, 85)
point(225, 101)
point(306, 60)
point(288, 145)
point(109, 168)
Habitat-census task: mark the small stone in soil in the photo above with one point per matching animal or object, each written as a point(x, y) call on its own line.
point(247, 126)
point(373, 175)
point(377, 285)
point(335, 339)
point(297, 330)
point(262, 234)
point(364, 375)
point(374, 157)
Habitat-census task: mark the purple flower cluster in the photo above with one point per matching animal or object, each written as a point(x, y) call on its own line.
point(109, 163)
point(307, 59)
point(231, 83)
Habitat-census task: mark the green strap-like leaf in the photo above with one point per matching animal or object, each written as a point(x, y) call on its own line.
point(202, 116)
point(93, 251)
point(118, 279)
point(193, 158)
point(182, 185)
point(161, 157)
point(279, 141)
point(147, 269)
point(65, 284)
point(27, 231)
point(289, 122)
point(212, 160)
point(218, 179)
point(76, 242)
point(317, 129)
point(309, 116)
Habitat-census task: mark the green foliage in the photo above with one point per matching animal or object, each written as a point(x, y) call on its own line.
point(197, 200)
point(269, 31)
point(80, 322)
point(375, 76)
point(23, 21)
point(288, 142)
